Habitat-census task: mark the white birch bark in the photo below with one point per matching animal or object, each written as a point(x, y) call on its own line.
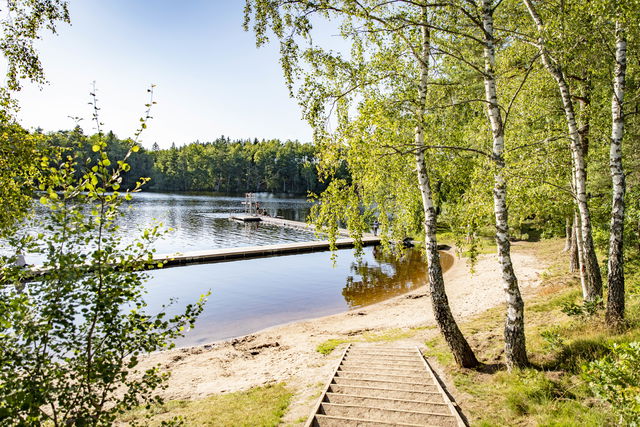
point(515, 345)
point(567, 235)
point(593, 281)
point(574, 263)
point(462, 352)
point(615, 300)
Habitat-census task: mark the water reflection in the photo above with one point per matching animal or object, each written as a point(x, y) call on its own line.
point(387, 277)
point(251, 295)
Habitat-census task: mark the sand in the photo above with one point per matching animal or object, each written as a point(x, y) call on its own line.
point(287, 353)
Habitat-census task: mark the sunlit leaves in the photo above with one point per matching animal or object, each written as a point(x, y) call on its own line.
point(73, 331)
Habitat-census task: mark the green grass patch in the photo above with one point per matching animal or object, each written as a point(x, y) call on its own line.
point(554, 391)
point(259, 406)
point(329, 345)
point(395, 334)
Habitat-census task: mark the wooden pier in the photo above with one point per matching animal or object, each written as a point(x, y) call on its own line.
point(301, 225)
point(228, 254)
point(247, 252)
point(246, 218)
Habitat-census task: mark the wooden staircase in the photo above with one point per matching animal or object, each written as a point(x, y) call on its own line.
point(377, 386)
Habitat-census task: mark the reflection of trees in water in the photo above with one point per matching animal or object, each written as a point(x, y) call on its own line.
point(390, 276)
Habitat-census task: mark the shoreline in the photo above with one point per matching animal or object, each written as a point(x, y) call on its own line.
point(287, 352)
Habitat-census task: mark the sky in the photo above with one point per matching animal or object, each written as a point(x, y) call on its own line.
point(210, 78)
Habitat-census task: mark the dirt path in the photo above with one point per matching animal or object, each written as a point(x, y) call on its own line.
point(287, 353)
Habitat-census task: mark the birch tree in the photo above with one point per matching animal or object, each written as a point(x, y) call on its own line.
point(515, 347)
point(592, 289)
point(391, 46)
point(615, 297)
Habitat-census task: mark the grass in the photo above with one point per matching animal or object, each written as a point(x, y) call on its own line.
point(553, 391)
point(389, 335)
point(259, 406)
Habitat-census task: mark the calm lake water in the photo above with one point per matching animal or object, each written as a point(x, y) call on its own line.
point(249, 295)
point(200, 222)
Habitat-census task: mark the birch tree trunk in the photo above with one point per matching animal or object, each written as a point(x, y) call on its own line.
point(462, 352)
point(567, 235)
point(574, 263)
point(593, 280)
point(615, 300)
point(515, 345)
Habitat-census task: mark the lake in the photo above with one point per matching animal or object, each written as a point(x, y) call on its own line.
point(249, 295)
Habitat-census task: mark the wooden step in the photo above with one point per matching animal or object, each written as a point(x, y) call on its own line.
point(415, 362)
point(395, 385)
point(396, 356)
point(387, 403)
point(411, 353)
point(425, 396)
point(379, 376)
point(381, 364)
point(387, 370)
point(386, 415)
point(329, 421)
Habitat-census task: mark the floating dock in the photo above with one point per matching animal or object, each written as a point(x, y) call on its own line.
point(301, 225)
point(248, 252)
point(246, 218)
point(228, 254)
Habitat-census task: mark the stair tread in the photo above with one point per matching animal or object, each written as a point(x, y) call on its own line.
point(389, 389)
point(387, 410)
point(371, 422)
point(387, 399)
point(382, 386)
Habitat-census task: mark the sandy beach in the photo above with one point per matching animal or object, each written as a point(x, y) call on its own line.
point(287, 353)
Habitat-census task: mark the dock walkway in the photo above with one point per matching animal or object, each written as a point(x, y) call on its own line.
point(376, 385)
point(227, 254)
point(247, 252)
point(300, 225)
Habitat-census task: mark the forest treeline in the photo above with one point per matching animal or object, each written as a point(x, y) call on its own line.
point(223, 165)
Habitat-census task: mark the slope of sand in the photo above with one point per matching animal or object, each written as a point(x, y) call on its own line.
point(287, 353)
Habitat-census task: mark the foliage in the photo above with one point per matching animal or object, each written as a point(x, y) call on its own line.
point(259, 406)
point(553, 338)
point(586, 309)
point(616, 379)
point(21, 151)
point(20, 28)
point(20, 155)
point(327, 347)
point(222, 165)
point(553, 391)
point(73, 331)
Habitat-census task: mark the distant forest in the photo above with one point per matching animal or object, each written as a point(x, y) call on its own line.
point(223, 165)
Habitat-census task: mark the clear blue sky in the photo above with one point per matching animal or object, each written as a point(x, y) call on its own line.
point(210, 78)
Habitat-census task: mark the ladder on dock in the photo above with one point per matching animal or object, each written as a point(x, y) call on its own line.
point(375, 386)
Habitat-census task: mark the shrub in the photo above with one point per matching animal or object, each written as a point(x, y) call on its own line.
point(73, 331)
point(616, 379)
